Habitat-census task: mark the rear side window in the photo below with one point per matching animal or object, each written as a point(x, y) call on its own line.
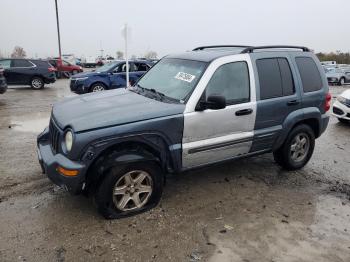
point(5, 63)
point(21, 63)
point(310, 76)
point(275, 78)
point(41, 63)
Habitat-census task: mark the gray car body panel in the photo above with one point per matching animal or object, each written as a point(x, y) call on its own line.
point(109, 108)
point(274, 117)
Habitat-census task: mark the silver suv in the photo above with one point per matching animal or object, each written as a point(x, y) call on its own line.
point(339, 76)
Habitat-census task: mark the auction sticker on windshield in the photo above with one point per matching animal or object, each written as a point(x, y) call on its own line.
point(185, 77)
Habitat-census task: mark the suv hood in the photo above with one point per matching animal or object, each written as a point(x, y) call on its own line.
point(86, 74)
point(110, 108)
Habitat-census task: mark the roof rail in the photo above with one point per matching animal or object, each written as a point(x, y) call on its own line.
point(252, 48)
point(218, 46)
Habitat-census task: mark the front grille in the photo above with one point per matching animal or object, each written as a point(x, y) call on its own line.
point(337, 111)
point(55, 135)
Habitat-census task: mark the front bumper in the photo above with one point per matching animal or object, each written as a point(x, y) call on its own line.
point(332, 80)
point(49, 163)
point(78, 87)
point(340, 110)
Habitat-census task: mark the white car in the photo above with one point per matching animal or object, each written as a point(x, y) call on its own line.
point(341, 107)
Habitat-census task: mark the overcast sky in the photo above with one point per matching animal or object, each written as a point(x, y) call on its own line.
point(171, 26)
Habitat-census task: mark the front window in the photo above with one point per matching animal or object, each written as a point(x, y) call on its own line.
point(107, 67)
point(175, 78)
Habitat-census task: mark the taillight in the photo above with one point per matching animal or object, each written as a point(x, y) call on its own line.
point(52, 69)
point(327, 104)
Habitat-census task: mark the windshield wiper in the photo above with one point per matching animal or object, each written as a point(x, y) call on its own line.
point(156, 94)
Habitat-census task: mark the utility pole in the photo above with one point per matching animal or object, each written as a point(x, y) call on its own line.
point(58, 32)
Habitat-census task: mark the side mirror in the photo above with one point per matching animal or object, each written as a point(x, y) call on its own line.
point(213, 102)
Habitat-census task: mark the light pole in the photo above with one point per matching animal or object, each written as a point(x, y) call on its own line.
point(58, 32)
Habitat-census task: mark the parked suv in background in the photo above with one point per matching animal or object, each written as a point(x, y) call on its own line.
point(189, 110)
point(35, 73)
point(110, 76)
point(3, 84)
point(63, 66)
point(337, 76)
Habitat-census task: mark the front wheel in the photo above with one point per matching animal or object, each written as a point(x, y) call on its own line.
point(342, 81)
point(130, 189)
point(97, 87)
point(37, 83)
point(297, 149)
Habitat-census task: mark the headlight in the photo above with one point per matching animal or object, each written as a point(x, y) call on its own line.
point(68, 140)
point(341, 99)
point(80, 78)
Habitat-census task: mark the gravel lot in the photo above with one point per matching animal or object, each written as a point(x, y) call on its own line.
point(247, 210)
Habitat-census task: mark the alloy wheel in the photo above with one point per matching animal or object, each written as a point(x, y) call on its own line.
point(36, 83)
point(98, 88)
point(300, 147)
point(132, 190)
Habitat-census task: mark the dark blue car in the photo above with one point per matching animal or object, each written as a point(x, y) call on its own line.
point(109, 76)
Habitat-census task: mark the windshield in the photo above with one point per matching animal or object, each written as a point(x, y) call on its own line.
point(106, 67)
point(330, 70)
point(175, 78)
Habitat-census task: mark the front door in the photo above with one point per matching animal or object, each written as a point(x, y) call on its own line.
point(217, 135)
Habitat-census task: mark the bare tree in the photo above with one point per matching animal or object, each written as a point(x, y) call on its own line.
point(18, 52)
point(120, 55)
point(151, 55)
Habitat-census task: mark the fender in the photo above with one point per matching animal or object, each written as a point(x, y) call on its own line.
point(132, 148)
point(300, 115)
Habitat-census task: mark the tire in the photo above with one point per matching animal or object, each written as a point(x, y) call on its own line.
point(37, 83)
point(113, 206)
point(342, 81)
point(295, 153)
point(97, 87)
point(342, 120)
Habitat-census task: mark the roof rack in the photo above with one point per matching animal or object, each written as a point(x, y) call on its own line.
point(218, 46)
point(252, 48)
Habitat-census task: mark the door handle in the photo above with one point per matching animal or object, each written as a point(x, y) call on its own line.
point(292, 103)
point(244, 112)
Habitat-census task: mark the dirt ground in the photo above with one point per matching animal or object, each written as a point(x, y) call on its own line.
point(247, 210)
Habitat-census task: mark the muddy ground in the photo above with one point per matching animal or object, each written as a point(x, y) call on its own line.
point(247, 210)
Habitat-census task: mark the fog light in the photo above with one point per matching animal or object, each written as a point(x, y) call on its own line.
point(67, 172)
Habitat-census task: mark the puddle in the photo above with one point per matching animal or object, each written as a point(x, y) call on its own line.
point(323, 235)
point(35, 125)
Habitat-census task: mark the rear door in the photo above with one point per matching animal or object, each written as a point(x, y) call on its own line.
point(277, 97)
point(216, 135)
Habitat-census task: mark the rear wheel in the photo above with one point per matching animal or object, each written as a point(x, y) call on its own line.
point(37, 83)
point(97, 87)
point(130, 189)
point(297, 149)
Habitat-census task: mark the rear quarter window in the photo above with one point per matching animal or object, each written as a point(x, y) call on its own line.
point(310, 76)
point(41, 63)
